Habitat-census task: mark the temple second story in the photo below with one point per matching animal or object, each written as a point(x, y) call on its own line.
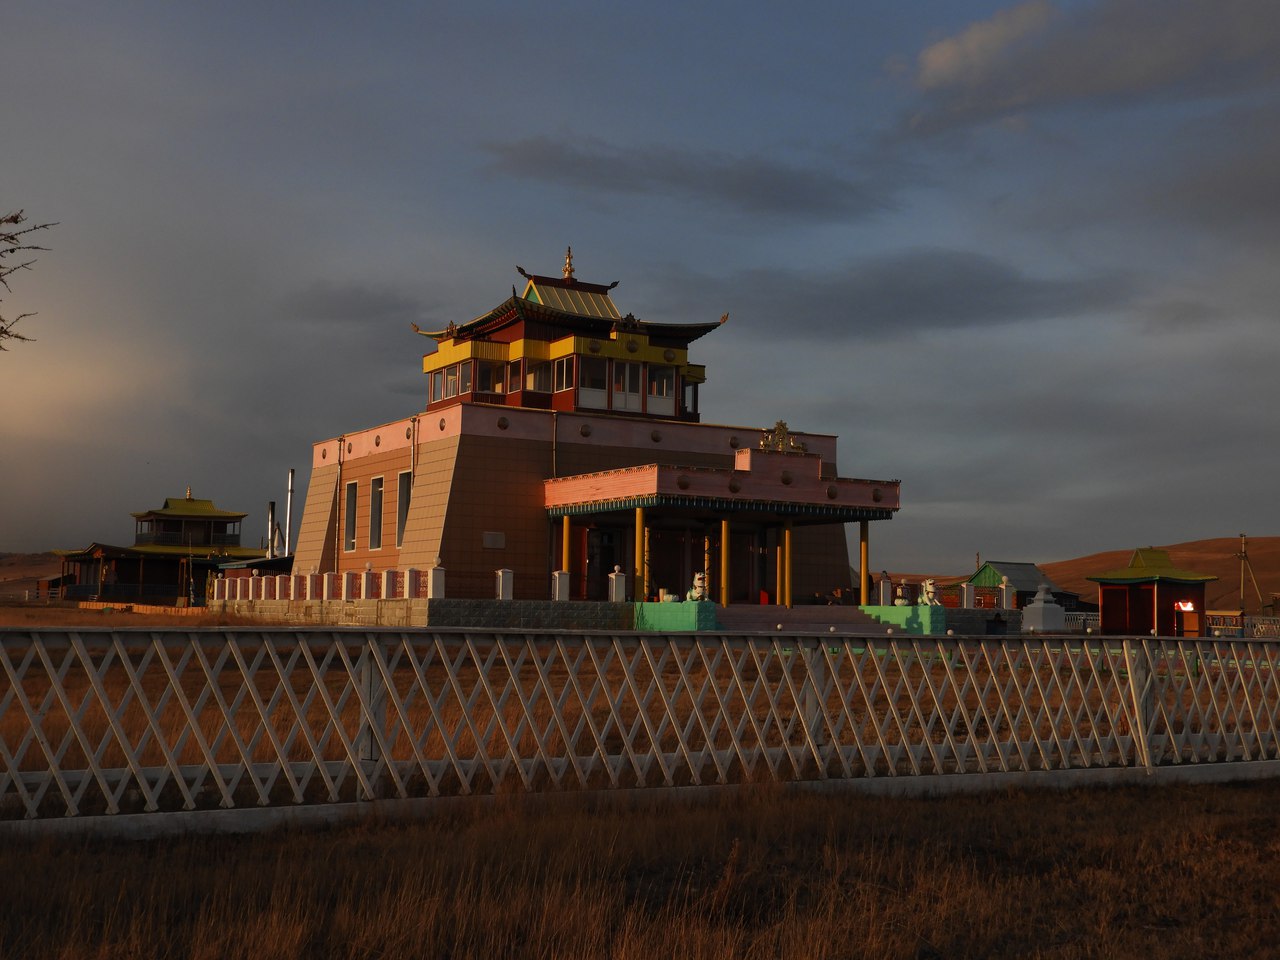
point(562, 344)
point(188, 523)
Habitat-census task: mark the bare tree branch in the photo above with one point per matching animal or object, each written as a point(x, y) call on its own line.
point(13, 240)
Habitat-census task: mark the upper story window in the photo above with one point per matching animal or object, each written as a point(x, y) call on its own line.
point(662, 382)
point(593, 382)
point(662, 391)
point(626, 386)
point(538, 376)
point(564, 374)
point(595, 373)
point(490, 377)
point(690, 397)
point(437, 386)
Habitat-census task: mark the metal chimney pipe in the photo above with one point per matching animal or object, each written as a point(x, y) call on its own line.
point(271, 529)
point(288, 517)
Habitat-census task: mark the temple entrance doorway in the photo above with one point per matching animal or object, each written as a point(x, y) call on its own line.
point(604, 552)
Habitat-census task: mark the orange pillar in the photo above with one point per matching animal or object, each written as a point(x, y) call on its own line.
point(724, 563)
point(864, 579)
point(639, 576)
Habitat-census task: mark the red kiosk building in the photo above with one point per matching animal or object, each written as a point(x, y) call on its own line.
point(1151, 594)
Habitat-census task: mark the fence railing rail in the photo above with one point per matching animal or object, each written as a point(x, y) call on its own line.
point(131, 721)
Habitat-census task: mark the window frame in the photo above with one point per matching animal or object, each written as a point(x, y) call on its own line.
point(404, 496)
point(349, 516)
point(377, 490)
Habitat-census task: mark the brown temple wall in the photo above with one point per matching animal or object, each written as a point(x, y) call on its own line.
point(483, 477)
point(361, 471)
point(315, 533)
point(427, 505)
point(496, 498)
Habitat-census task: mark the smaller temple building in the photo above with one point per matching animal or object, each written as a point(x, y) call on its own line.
point(176, 549)
point(1025, 578)
point(1151, 594)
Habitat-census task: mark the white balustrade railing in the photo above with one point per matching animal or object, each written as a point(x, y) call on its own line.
point(128, 721)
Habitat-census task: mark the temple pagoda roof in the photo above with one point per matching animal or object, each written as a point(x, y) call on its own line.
point(570, 303)
point(1148, 564)
point(188, 508)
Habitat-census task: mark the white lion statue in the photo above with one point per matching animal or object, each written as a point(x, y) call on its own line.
point(928, 595)
point(699, 589)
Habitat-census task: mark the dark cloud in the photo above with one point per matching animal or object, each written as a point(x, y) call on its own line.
point(757, 186)
point(353, 303)
point(1113, 52)
point(1226, 181)
point(898, 295)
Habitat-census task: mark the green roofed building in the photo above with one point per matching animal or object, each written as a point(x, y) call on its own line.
point(1025, 578)
point(175, 549)
point(1151, 594)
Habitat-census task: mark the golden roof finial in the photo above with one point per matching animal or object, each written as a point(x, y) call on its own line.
point(568, 263)
point(188, 491)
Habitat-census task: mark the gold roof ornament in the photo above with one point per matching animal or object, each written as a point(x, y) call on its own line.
point(781, 439)
point(188, 491)
point(568, 263)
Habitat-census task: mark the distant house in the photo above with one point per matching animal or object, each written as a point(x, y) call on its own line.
point(175, 550)
point(1151, 594)
point(1025, 579)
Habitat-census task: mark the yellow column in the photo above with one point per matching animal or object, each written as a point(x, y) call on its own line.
point(724, 563)
point(638, 576)
point(565, 544)
point(864, 542)
point(647, 584)
point(786, 558)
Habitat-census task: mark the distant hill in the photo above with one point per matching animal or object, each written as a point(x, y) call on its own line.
point(1210, 557)
point(19, 572)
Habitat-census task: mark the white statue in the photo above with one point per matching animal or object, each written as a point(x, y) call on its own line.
point(699, 590)
point(928, 595)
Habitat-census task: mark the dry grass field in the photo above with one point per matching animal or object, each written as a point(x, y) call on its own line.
point(1179, 872)
point(759, 872)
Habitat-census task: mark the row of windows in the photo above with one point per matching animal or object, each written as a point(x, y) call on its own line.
point(541, 376)
point(404, 486)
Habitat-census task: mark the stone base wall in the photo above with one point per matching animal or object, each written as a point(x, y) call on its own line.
point(448, 612)
point(531, 614)
point(975, 622)
point(329, 613)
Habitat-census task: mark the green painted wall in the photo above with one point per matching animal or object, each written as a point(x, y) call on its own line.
point(915, 620)
point(985, 576)
point(675, 617)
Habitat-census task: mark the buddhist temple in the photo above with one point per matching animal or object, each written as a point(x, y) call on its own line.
point(558, 434)
point(176, 549)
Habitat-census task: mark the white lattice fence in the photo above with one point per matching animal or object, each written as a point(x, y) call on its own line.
point(99, 721)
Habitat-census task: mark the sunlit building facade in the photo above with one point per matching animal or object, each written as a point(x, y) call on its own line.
point(558, 434)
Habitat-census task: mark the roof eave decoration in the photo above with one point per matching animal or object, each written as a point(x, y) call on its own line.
point(522, 308)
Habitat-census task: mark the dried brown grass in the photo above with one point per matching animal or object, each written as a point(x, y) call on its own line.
point(1176, 872)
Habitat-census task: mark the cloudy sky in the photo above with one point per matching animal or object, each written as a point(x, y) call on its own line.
point(1021, 256)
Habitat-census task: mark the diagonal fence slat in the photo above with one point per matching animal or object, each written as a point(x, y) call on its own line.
point(113, 722)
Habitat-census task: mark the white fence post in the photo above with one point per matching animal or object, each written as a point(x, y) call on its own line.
point(505, 580)
point(560, 585)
